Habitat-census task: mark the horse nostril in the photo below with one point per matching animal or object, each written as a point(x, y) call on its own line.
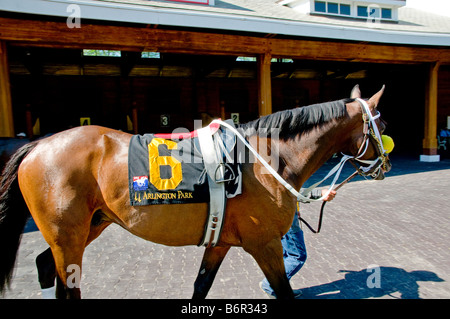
point(380, 176)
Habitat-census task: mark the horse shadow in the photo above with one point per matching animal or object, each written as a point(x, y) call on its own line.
point(357, 285)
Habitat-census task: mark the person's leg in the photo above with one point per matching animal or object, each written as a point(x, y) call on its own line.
point(294, 253)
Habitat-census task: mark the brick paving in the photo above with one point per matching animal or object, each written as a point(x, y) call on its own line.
point(400, 224)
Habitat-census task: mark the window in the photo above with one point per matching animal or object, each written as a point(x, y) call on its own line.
point(386, 13)
point(320, 6)
point(107, 53)
point(246, 59)
point(362, 11)
point(150, 55)
point(253, 59)
point(281, 60)
point(345, 9)
point(336, 8)
point(333, 8)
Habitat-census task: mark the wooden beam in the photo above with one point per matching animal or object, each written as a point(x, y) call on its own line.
point(356, 52)
point(6, 115)
point(431, 105)
point(91, 36)
point(264, 84)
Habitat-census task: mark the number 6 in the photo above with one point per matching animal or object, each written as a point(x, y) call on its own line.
point(155, 161)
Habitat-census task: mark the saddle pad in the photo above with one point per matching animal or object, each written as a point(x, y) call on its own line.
point(164, 171)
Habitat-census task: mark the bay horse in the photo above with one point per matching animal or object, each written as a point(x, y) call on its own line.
point(75, 184)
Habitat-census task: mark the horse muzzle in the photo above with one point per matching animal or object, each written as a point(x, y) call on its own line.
point(376, 168)
point(385, 167)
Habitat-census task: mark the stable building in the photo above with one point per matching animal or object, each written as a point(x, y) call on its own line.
point(154, 66)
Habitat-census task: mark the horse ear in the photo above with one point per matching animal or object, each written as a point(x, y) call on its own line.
point(373, 101)
point(356, 92)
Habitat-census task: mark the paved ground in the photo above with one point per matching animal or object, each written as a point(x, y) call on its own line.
point(400, 225)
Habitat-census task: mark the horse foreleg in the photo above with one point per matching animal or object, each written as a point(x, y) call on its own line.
point(212, 259)
point(270, 260)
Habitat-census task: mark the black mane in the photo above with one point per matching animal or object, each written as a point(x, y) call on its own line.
point(301, 119)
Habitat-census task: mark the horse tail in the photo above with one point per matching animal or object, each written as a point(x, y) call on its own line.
point(13, 214)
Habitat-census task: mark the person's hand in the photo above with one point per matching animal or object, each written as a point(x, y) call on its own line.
point(330, 196)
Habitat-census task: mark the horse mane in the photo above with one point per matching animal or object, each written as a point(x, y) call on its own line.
point(301, 119)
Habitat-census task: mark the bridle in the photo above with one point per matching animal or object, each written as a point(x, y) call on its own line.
point(371, 135)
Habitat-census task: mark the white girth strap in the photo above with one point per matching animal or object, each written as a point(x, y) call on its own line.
point(215, 172)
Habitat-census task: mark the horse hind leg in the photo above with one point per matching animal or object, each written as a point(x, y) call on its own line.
point(212, 259)
point(67, 241)
point(46, 267)
point(46, 274)
point(67, 274)
point(68, 259)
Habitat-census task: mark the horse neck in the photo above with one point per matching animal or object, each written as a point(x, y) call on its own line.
point(307, 152)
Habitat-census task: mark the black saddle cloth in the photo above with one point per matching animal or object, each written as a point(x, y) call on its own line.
point(171, 171)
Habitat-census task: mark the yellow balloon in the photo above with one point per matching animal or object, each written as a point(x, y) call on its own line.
point(388, 143)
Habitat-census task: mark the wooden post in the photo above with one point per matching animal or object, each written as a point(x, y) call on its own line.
point(264, 84)
point(6, 115)
point(29, 121)
point(134, 116)
point(431, 104)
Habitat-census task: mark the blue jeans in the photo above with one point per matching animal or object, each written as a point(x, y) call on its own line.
point(294, 253)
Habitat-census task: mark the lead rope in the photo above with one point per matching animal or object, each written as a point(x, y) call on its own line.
point(319, 225)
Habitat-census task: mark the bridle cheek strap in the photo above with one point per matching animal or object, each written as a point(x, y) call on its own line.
point(369, 121)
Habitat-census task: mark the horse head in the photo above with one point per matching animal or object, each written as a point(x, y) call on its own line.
point(366, 146)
